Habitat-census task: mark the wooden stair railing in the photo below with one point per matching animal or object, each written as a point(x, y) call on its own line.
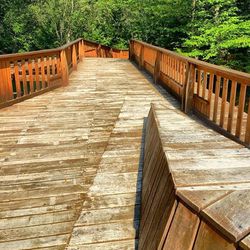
point(25, 75)
point(219, 95)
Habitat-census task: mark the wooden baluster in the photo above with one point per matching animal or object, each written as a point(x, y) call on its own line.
point(204, 89)
point(74, 57)
point(223, 102)
point(231, 106)
point(17, 79)
point(65, 70)
point(31, 79)
point(53, 62)
point(247, 135)
point(243, 89)
point(43, 73)
point(157, 68)
point(170, 67)
point(36, 61)
point(188, 91)
point(216, 98)
point(210, 93)
point(47, 65)
point(25, 88)
point(181, 73)
point(141, 60)
point(198, 82)
point(59, 69)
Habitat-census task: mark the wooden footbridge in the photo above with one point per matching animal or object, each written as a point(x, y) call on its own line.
point(97, 154)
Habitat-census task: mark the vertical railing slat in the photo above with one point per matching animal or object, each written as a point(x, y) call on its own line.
point(17, 79)
point(243, 89)
point(223, 102)
point(216, 98)
point(231, 106)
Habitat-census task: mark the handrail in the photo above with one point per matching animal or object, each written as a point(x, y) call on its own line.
point(219, 69)
point(219, 95)
point(24, 75)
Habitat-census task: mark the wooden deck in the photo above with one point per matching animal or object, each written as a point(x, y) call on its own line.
point(71, 164)
point(71, 161)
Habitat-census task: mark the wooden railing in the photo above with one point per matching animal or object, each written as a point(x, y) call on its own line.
point(25, 75)
point(218, 94)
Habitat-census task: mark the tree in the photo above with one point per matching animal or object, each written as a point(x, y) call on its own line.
point(219, 34)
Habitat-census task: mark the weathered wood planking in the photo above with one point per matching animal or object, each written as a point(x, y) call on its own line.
point(71, 161)
point(210, 175)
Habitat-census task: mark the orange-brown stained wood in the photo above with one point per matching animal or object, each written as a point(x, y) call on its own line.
point(31, 77)
point(216, 98)
point(207, 239)
point(247, 136)
point(25, 88)
point(231, 107)
point(183, 230)
point(224, 102)
point(17, 79)
point(243, 89)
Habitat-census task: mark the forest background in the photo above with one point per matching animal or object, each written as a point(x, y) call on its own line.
point(217, 31)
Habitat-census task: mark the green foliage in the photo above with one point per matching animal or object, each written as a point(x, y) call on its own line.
point(217, 31)
point(219, 34)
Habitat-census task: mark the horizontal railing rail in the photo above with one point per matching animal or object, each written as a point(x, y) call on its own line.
point(24, 75)
point(219, 95)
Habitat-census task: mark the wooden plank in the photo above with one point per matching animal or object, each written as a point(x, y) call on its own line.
point(245, 243)
point(224, 102)
point(31, 78)
point(25, 89)
point(210, 93)
point(216, 98)
point(43, 73)
point(17, 79)
point(42, 242)
point(167, 226)
point(208, 239)
point(200, 199)
point(247, 135)
point(114, 245)
point(204, 88)
point(183, 229)
point(231, 214)
point(243, 89)
point(231, 107)
point(122, 230)
point(37, 74)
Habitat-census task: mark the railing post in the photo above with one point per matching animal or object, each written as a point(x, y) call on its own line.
point(188, 89)
point(64, 67)
point(157, 68)
point(141, 60)
point(6, 90)
point(131, 50)
point(74, 57)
